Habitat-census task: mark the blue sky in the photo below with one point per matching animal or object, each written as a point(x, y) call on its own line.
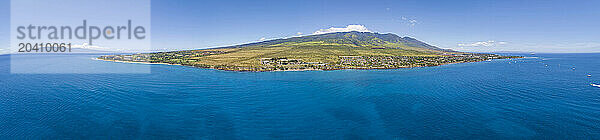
point(478, 25)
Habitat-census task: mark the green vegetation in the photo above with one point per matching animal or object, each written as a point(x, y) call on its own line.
point(349, 50)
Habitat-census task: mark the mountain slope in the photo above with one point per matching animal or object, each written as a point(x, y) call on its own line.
point(358, 39)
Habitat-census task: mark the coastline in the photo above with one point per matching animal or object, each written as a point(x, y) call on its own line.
point(135, 62)
point(291, 70)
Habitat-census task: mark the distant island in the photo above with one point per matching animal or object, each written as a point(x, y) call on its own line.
point(332, 51)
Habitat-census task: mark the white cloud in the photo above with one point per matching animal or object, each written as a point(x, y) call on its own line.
point(299, 33)
point(359, 28)
point(86, 46)
point(262, 39)
point(490, 43)
point(409, 21)
point(412, 22)
point(548, 47)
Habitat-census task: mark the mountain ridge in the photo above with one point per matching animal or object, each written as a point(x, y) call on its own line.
point(360, 39)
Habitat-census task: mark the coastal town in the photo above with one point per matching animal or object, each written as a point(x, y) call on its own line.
point(195, 58)
point(333, 51)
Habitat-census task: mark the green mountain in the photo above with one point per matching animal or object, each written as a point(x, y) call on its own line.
point(354, 38)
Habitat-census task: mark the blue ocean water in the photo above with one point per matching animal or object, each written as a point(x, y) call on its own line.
point(532, 98)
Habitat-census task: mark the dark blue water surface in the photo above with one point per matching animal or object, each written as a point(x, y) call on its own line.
point(531, 98)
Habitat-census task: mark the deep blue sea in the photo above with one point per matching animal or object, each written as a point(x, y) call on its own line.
point(544, 96)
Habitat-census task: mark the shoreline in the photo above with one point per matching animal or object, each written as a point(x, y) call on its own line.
point(291, 70)
point(131, 62)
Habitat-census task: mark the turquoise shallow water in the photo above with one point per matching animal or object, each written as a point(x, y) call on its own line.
point(531, 98)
